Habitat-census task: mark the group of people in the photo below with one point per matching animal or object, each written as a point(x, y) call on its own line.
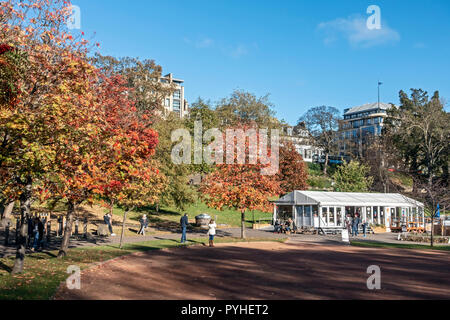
point(36, 231)
point(353, 224)
point(212, 226)
point(286, 227)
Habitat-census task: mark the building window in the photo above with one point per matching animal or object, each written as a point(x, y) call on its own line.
point(176, 105)
point(177, 94)
point(167, 103)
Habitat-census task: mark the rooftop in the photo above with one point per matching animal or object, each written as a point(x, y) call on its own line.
point(347, 199)
point(368, 107)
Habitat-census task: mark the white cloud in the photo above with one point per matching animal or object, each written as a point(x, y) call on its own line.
point(239, 51)
point(420, 45)
point(235, 51)
point(200, 43)
point(354, 29)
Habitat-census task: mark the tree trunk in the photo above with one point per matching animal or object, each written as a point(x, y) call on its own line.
point(243, 224)
point(111, 209)
point(67, 230)
point(123, 227)
point(326, 164)
point(25, 212)
point(8, 210)
point(432, 231)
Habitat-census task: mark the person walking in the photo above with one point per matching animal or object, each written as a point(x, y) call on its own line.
point(184, 221)
point(212, 232)
point(30, 234)
point(356, 222)
point(107, 218)
point(36, 222)
point(41, 232)
point(144, 224)
point(364, 226)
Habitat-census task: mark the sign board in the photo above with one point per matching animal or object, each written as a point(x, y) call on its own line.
point(345, 236)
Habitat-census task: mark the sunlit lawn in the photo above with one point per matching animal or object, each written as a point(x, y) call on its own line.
point(227, 217)
point(369, 244)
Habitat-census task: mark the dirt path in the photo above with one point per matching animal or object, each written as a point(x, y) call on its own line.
point(268, 271)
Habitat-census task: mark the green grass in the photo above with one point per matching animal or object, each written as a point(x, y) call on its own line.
point(368, 244)
point(43, 272)
point(320, 182)
point(404, 179)
point(228, 217)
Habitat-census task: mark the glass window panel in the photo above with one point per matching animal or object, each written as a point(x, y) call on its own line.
point(331, 215)
point(339, 216)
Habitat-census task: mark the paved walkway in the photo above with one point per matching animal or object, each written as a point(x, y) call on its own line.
point(78, 241)
point(267, 270)
point(230, 232)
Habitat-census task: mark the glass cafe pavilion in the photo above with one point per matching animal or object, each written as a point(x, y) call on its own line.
point(327, 210)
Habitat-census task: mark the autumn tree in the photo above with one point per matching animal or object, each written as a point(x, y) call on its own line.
point(292, 173)
point(130, 175)
point(241, 186)
point(38, 30)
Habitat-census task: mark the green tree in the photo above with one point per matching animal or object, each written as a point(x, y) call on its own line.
point(178, 192)
point(202, 111)
point(352, 177)
point(417, 133)
point(244, 108)
point(142, 77)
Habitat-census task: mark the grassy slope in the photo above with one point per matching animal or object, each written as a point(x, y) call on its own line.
point(43, 272)
point(172, 215)
point(399, 246)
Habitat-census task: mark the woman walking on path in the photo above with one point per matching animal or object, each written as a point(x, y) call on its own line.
point(212, 232)
point(144, 224)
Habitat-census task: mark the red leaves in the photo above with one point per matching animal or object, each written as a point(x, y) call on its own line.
point(293, 173)
point(242, 187)
point(5, 48)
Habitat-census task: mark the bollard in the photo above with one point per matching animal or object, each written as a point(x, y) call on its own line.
point(17, 229)
point(49, 230)
point(60, 229)
point(7, 234)
point(85, 228)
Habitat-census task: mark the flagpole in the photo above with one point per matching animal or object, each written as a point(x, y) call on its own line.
point(379, 84)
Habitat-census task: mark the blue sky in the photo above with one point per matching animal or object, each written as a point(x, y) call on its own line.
point(304, 53)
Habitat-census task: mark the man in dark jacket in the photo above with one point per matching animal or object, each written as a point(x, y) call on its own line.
point(356, 222)
point(30, 234)
point(184, 221)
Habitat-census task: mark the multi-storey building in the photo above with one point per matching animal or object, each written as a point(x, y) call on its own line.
point(360, 125)
point(300, 138)
point(176, 103)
